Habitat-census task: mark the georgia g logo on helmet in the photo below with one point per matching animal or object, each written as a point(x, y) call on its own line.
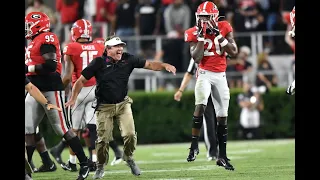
point(35, 16)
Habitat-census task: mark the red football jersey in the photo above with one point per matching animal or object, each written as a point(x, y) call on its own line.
point(214, 59)
point(33, 54)
point(81, 55)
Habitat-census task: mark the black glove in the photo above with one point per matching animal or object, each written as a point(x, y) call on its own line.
point(200, 31)
point(212, 26)
point(26, 69)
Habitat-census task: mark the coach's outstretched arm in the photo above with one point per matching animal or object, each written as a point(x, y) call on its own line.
point(158, 66)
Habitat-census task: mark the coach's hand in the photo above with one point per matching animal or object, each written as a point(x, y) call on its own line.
point(52, 106)
point(178, 95)
point(170, 68)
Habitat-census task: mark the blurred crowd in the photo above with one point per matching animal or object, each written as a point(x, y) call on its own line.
point(170, 18)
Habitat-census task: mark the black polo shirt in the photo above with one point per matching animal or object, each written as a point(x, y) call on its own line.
point(112, 76)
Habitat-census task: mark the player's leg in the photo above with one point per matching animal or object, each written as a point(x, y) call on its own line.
point(128, 133)
point(63, 128)
point(34, 113)
point(57, 150)
point(221, 97)
point(209, 130)
point(48, 165)
point(104, 117)
point(76, 116)
point(202, 92)
point(90, 121)
point(28, 168)
point(118, 153)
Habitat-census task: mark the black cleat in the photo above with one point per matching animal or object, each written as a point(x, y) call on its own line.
point(69, 167)
point(56, 155)
point(192, 154)
point(85, 169)
point(225, 163)
point(45, 168)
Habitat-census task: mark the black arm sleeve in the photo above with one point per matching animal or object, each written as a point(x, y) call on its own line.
point(48, 52)
point(192, 67)
point(92, 67)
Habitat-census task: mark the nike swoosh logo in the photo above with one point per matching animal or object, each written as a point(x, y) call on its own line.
point(86, 174)
point(52, 166)
point(224, 164)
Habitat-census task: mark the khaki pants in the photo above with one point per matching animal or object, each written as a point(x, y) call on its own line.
point(27, 166)
point(106, 114)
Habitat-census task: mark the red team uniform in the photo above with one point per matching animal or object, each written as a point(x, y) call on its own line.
point(212, 69)
point(82, 53)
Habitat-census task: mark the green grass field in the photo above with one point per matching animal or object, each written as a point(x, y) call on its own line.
point(253, 160)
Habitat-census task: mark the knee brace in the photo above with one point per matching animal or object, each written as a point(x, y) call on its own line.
point(92, 135)
point(197, 122)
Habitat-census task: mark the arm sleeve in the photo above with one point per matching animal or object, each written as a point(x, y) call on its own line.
point(191, 67)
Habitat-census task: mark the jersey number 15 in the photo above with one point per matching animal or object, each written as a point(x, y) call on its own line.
point(87, 57)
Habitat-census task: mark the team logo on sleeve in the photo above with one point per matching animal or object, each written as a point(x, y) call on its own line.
point(185, 36)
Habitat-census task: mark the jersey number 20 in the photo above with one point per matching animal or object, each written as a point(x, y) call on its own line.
point(87, 57)
point(209, 51)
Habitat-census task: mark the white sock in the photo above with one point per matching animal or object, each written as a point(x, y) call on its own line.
point(73, 159)
point(94, 157)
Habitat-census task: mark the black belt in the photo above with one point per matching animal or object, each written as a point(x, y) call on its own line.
point(111, 102)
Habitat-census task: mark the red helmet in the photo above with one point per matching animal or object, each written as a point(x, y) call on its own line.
point(99, 40)
point(35, 23)
point(208, 8)
point(293, 16)
point(81, 29)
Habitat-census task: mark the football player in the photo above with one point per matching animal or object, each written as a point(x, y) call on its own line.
point(210, 41)
point(43, 67)
point(291, 89)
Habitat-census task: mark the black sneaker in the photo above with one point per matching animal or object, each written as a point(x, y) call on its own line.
point(45, 168)
point(225, 163)
point(192, 154)
point(56, 155)
point(85, 169)
point(69, 167)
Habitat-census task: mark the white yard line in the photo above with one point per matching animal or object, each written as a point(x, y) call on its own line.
point(175, 154)
point(196, 168)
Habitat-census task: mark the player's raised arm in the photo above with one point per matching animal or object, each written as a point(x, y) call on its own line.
point(197, 48)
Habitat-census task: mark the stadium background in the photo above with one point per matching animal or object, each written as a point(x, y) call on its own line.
point(160, 119)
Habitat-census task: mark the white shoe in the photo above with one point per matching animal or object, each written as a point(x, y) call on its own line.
point(116, 161)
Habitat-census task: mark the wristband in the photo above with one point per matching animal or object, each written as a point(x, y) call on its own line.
point(180, 90)
point(219, 36)
point(224, 43)
point(31, 68)
point(200, 39)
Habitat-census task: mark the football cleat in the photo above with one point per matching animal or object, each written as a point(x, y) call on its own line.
point(56, 155)
point(192, 154)
point(69, 166)
point(45, 168)
point(225, 163)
